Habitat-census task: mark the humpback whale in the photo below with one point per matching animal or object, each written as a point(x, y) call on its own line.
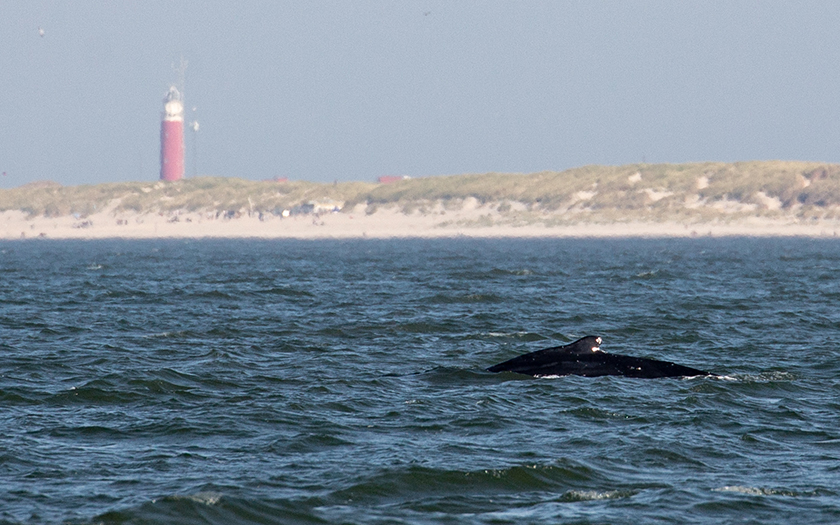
point(585, 358)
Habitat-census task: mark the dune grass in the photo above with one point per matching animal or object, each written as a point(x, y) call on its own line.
point(657, 192)
point(190, 195)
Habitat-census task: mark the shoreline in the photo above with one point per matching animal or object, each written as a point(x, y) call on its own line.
point(384, 224)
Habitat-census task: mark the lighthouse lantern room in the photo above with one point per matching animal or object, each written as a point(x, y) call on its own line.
point(172, 136)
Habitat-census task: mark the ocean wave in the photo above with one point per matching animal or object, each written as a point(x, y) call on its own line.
point(765, 491)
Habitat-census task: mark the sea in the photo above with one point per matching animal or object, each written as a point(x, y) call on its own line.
point(343, 381)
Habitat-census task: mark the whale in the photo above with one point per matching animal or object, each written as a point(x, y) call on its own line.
point(584, 357)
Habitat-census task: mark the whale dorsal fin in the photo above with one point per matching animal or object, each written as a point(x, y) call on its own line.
point(584, 345)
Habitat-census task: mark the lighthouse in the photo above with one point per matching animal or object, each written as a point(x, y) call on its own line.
point(172, 136)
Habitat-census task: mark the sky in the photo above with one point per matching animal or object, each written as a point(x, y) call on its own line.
point(344, 90)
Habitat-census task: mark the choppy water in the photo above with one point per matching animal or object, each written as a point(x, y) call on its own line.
point(342, 381)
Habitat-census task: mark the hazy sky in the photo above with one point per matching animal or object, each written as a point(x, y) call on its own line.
point(351, 90)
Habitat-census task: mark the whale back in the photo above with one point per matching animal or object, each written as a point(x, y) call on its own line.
point(546, 358)
point(585, 358)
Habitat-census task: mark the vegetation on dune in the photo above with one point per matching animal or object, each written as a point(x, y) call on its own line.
point(695, 191)
point(657, 192)
point(200, 194)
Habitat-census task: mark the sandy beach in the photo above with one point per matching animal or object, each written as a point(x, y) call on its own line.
point(384, 223)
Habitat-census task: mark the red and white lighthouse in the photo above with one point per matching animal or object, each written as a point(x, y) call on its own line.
point(172, 137)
